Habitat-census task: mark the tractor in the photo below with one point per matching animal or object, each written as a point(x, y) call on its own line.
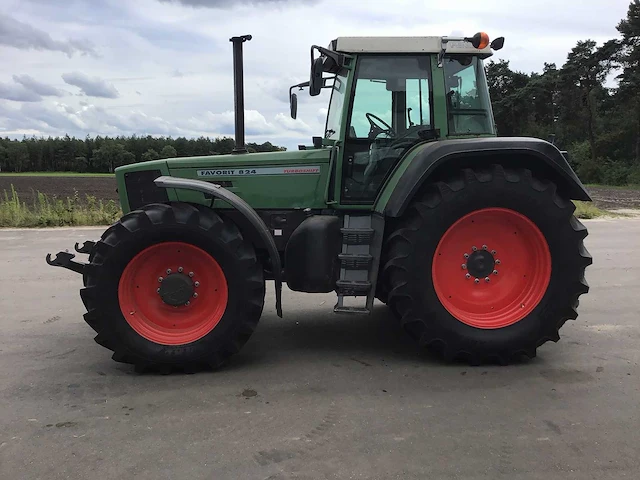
point(409, 198)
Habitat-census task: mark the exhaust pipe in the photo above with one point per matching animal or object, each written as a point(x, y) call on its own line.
point(238, 91)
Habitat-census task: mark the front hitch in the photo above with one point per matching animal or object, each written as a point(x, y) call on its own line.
point(86, 247)
point(65, 260)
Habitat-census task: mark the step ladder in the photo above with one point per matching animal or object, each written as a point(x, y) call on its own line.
point(359, 261)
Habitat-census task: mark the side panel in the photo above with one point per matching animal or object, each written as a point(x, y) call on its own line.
point(516, 152)
point(276, 182)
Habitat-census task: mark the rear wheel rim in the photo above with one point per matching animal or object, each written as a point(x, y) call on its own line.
point(491, 268)
point(188, 313)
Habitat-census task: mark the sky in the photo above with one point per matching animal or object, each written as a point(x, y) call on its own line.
point(164, 67)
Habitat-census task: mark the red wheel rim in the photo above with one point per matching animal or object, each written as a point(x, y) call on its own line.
point(512, 258)
point(152, 318)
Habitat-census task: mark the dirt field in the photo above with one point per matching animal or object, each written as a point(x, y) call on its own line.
point(101, 187)
point(105, 188)
point(609, 198)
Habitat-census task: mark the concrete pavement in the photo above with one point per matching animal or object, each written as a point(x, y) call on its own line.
point(316, 395)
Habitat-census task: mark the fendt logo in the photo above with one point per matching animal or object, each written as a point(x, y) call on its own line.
point(237, 172)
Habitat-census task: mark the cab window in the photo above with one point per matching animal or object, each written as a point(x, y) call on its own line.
point(468, 105)
point(391, 105)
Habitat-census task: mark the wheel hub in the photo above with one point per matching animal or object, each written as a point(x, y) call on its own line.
point(480, 264)
point(176, 289)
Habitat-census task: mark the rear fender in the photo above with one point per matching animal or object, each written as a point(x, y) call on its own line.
point(434, 160)
point(243, 207)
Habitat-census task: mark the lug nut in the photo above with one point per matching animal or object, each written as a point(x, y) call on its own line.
point(168, 271)
point(493, 252)
point(495, 272)
point(158, 291)
point(487, 279)
point(466, 255)
point(180, 269)
point(498, 262)
point(188, 303)
point(484, 247)
point(467, 276)
point(464, 266)
point(191, 274)
point(197, 284)
point(477, 280)
point(474, 248)
point(160, 279)
point(195, 295)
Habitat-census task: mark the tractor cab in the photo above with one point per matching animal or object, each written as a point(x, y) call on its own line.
point(389, 94)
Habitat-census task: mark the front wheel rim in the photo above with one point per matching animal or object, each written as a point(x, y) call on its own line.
point(194, 306)
point(491, 268)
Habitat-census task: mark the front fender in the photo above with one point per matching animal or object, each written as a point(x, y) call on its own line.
point(431, 159)
point(243, 207)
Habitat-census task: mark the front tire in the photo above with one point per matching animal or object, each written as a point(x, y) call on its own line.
point(449, 292)
point(173, 287)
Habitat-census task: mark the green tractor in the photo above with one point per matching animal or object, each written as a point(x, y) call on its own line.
point(409, 197)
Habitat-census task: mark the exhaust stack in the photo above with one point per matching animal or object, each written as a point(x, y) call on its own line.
point(238, 91)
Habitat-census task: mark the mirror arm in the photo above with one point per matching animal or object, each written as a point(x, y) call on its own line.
point(339, 58)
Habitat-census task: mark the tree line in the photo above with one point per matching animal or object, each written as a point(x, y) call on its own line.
point(104, 154)
point(575, 105)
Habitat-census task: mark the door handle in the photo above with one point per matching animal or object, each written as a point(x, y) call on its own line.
point(349, 172)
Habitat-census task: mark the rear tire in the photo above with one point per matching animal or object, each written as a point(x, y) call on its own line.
point(157, 335)
point(425, 278)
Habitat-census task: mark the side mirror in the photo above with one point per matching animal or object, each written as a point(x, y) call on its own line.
point(498, 43)
point(293, 104)
point(316, 82)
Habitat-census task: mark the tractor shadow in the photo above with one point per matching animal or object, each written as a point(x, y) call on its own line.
point(323, 332)
point(377, 338)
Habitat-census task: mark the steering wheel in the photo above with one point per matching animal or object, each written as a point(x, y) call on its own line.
point(388, 128)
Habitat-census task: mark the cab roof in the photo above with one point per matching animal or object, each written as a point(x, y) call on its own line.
point(405, 45)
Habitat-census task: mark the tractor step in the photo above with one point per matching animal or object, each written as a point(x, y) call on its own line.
point(359, 260)
point(357, 236)
point(353, 288)
point(352, 310)
point(355, 261)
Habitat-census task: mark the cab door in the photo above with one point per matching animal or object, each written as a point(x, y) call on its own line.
point(390, 104)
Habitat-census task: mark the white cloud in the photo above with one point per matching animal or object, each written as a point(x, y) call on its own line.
point(35, 86)
point(18, 93)
point(91, 86)
point(297, 125)
point(228, 4)
point(256, 125)
point(163, 68)
point(23, 36)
